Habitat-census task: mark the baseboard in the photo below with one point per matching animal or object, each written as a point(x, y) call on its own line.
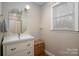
point(49, 53)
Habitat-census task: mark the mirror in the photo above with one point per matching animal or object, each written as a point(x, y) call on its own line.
point(24, 19)
point(18, 21)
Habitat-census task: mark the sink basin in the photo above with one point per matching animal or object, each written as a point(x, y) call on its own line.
point(25, 36)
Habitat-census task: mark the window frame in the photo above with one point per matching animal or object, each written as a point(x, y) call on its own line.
point(76, 27)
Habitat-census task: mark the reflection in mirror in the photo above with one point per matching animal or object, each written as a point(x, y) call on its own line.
point(3, 25)
point(24, 19)
point(15, 21)
point(18, 21)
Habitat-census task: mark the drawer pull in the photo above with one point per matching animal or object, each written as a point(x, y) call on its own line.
point(13, 49)
point(28, 52)
point(28, 44)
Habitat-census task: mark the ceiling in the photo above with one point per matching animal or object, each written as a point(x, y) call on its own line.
point(40, 3)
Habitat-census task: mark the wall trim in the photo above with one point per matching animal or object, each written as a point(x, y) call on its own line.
point(49, 53)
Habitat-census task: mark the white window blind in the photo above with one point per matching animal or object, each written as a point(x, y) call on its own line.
point(63, 16)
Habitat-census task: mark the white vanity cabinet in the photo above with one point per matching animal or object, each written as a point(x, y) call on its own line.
point(18, 47)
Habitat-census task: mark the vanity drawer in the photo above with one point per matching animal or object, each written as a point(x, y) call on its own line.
point(29, 52)
point(13, 48)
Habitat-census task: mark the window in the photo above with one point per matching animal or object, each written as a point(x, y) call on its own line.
point(63, 16)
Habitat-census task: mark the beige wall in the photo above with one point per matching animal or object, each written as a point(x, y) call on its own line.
point(56, 41)
point(33, 15)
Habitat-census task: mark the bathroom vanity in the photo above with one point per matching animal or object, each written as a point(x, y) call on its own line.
point(18, 44)
point(14, 45)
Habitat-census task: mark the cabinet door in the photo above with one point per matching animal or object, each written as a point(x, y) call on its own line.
point(20, 48)
point(13, 48)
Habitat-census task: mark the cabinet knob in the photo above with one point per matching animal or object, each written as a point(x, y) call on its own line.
point(28, 52)
point(28, 44)
point(12, 49)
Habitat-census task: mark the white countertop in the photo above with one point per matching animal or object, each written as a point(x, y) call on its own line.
point(10, 38)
